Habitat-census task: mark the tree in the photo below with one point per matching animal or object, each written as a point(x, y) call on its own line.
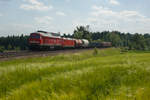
point(82, 32)
point(11, 42)
point(115, 39)
point(138, 42)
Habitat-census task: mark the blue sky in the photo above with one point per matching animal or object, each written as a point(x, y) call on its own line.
point(26, 16)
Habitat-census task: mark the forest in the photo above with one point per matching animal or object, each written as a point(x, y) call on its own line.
point(130, 41)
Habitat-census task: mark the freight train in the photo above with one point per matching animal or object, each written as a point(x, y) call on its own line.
point(42, 40)
point(49, 40)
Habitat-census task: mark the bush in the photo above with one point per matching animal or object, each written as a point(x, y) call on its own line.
point(9, 47)
point(95, 52)
point(17, 48)
point(124, 49)
point(2, 49)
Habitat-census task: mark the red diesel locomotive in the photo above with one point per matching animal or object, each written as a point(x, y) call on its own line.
point(47, 40)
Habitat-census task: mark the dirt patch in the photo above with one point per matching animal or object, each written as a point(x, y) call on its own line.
point(30, 54)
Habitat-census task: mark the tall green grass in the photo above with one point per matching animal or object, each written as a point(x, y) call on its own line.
point(105, 75)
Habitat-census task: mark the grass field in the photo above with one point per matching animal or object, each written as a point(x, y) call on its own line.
point(108, 75)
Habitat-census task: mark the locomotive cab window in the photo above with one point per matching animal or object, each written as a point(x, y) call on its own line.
point(35, 36)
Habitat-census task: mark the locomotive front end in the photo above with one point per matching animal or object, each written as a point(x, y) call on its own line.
point(35, 41)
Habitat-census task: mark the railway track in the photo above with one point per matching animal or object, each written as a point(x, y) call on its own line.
point(26, 54)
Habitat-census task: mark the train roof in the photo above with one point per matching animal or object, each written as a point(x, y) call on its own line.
point(49, 34)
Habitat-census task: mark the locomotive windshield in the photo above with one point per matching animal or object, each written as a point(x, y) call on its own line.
point(35, 36)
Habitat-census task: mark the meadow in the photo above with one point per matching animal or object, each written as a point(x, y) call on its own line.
point(106, 74)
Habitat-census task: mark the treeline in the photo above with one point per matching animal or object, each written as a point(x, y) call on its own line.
point(118, 39)
point(14, 43)
point(130, 41)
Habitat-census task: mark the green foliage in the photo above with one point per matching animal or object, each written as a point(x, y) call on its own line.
point(17, 48)
point(118, 39)
point(95, 52)
point(114, 39)
point(9, 47)
point(82, 33)
point(80, 76)
point(13, 42)
point(124, 49)
point(2, 49)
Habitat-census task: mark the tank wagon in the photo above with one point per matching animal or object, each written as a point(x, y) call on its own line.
point(47, 40)
point(85, 43)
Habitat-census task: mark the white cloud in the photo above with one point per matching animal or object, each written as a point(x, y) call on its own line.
point(114, 2)
point(60, 13)
point(35, 5)
point(133, 14)
point(99, 11)
point(44, 23)
point(102, 18)
point(44, 20)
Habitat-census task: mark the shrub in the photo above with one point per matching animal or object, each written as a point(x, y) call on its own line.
point(124, 49)
point(17, 48)
point(95, 52)
point(2, 49)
